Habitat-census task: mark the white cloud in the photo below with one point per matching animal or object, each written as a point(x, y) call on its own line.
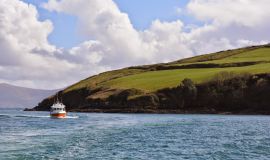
point(27, 58)
point(17, 23)
point(23, 44)
point(167, 41)
point(248, 13)
point(229, 23)
point(102, 20)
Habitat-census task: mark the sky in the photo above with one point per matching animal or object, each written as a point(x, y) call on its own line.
point(140, 12)
point(51, 44)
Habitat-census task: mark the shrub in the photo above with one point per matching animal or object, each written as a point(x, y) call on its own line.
point(189, 91)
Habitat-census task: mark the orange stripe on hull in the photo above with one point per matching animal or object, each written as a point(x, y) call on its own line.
point(58, 115)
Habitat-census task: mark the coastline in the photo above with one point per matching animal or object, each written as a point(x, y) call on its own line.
point(241, 95)
point(180, 112)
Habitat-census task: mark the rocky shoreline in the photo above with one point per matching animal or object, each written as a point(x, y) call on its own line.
point(115, 111)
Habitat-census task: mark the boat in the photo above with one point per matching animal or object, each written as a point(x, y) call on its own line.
point(58, 110)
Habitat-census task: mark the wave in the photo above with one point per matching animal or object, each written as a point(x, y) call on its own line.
point(34, 116)
point(4, 115)
point(72, 117)
point(31, 116)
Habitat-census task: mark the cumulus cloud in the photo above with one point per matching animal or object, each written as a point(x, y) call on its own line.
point(28, 58)
point(229, 23)
point(17, 23)
point(242, 12)
point(102, 20)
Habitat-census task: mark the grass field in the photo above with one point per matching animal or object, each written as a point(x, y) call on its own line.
point(258, 55)
point(150, 81)
point(95, 81)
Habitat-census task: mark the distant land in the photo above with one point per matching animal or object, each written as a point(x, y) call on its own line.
point(227, 82)
point(20, 97)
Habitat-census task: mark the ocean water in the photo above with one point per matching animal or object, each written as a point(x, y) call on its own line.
point(33, 135)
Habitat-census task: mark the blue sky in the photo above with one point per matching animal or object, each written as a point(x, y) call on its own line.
point(64, 33)
point(141, 14)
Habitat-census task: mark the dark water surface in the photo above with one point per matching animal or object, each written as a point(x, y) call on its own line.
point(33, 135)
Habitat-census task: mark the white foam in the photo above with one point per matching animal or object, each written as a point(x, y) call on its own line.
point(72, 117)
point(36, 116)
point(32, 116)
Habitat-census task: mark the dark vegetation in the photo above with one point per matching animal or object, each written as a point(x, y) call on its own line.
point(226, 93)
point(197, 65)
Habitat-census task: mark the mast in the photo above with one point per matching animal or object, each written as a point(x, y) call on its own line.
point(57, 100)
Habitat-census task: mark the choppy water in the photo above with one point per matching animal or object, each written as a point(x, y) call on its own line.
point(33, 135)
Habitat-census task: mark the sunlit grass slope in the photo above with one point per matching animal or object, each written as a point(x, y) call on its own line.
point(150, 81)
point(154, 80)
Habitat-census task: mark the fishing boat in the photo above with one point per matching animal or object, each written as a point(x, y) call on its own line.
point(58, 110)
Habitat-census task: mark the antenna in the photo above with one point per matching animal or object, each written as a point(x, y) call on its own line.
point(53, 99)
point(57, 100)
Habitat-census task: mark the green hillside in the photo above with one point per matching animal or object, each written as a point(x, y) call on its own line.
point(233, 81)
point(150, 78)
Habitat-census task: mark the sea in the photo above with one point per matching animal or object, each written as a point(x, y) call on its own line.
point(34, 135)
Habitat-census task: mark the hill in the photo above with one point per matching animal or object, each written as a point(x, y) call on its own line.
point(19, 97)
point(166, 87)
